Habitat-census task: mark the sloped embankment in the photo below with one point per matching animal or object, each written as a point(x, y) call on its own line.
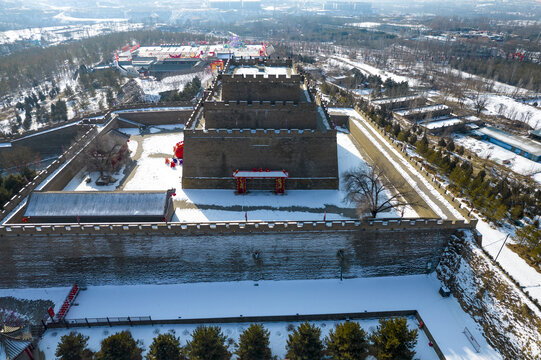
point(511, 322)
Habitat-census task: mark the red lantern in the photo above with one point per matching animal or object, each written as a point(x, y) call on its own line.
point(179, 150)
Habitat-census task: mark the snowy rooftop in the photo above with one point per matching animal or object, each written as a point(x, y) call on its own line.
point(394, 100)
point(263, 70)
point(531, 146)
point(422, 110)
point(443, 123)
point(59, 204)
point(186, 51)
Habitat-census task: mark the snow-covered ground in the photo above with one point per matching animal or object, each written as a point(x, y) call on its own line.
point(53, 35)
point(493, 239)
point(372, 134)
point(152, 87)
point(79, 182)
point(152, 173)
point(443, 316)
point(267, 70)
point(513, 109)
point(371, 70)
point(486, 150)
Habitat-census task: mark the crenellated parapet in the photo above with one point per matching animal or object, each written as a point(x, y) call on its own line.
point(225, 227)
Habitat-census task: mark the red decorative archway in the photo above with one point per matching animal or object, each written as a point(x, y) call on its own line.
point(280, 177)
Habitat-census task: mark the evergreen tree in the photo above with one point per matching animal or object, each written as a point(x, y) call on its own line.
point(165, 347)
point(305, 343)
point(27, 120)
point(73, 347)
point(393, 340)
point(119, 346)
point(347, 342)
point(254, 343)
point(208, 343)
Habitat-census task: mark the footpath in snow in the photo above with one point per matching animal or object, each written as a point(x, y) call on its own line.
point(404, 165)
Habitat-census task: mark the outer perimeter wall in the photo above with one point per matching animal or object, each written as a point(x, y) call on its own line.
point(124, 254)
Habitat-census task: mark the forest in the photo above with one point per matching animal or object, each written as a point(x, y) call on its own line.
point(30, 67)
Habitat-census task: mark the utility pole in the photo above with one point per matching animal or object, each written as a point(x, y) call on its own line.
point(501, 248)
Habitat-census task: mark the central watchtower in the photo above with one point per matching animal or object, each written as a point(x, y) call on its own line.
point(260, 117)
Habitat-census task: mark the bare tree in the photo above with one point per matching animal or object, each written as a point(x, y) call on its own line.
point(479, 102)
point(368, 189)
point(105, 155)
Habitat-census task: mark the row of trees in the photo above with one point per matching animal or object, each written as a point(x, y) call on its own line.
point(11, 184)
point(391, 340)
point(497, 198)
point(189, 91)
point(529, 239)
point(30, 67)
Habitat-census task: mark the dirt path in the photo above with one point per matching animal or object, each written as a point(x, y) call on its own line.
point(395, 176)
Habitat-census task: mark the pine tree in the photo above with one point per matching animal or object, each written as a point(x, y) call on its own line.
point(347, 342)
point(254, 343)
point(73, 347)
point(165, 347)
point(305, 343)
point(119, 346)
point(208, 343)
point(393, 340)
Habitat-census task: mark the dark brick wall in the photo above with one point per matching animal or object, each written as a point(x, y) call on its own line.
point(259, 88)
point(50, 143)
point(216, 154)
point(158, 117)
point(258, 115)
point(60, 260)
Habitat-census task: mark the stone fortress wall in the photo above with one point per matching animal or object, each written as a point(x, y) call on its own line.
point(260, 88)
point(308, 155)
point(95, 254)
point(260, 115)
point(92, 254)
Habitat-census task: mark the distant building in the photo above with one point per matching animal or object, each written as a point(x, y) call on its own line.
point(350, 7)
point(235, 4)
point(528, 148)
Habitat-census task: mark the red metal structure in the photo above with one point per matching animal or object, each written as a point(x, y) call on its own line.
point(280, 177)
point(68, 302)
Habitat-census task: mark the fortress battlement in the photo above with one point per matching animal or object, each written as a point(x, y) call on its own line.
point(260, 78)
point(221, 132)
point(257, 104)
point(224, 227)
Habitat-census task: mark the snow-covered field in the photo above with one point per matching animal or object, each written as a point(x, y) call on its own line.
point(486, 150)
point(371, 70)
point(152, 87)
point(513, 109)
point(443, 316)
point(53, 35)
